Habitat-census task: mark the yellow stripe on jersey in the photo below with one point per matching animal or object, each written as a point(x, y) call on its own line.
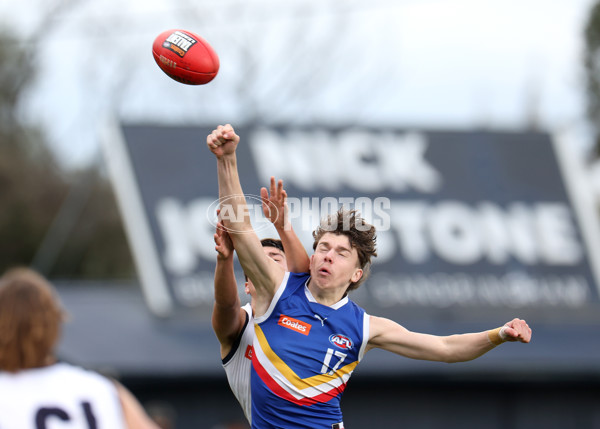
point(290, 375)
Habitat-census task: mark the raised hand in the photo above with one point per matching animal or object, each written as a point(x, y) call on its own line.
point(222, 141)
point(223, 243)
point(516, 330)
point(274, 204)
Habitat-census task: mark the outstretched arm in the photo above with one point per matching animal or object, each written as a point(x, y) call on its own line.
point(266, 275)
point(227, 317)
point(390, 336)
point(276, 210)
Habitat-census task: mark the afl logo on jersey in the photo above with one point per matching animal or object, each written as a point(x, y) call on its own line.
point(341, 341)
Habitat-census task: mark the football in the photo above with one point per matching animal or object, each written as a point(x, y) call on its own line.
point(185, 57)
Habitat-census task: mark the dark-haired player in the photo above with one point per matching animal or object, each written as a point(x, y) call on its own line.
point(234, 325)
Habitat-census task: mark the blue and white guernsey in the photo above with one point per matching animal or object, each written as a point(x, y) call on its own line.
point(304, 355)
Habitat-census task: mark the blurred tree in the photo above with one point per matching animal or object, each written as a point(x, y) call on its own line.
point(31, 187)
point(63, 223)
point(592, 70)
point(95, 245)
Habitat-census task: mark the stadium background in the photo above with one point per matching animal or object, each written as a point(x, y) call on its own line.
point(150, 326)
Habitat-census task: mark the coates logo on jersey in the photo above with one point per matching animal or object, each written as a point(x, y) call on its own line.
point(341, 341)
point(294, 324)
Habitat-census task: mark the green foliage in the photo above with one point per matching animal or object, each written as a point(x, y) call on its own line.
point(36, 195)
point(30, 186)
point(97, 247)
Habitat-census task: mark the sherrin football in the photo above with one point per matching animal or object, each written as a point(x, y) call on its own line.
point(185, 57)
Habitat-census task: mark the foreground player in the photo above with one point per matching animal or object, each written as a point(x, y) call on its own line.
point(234, 326)
point(309, 336)
point(35, 390)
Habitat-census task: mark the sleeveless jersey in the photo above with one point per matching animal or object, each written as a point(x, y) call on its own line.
point(59, 396)
point(304, 354)
point(238, 364)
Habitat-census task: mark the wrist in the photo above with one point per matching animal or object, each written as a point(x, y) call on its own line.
point(497, 336)
point(222, 258)
point(283, 229)
point(226, 157)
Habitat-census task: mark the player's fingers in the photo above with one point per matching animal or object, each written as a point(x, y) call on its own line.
point(213, 140)
point(222, 139)
point(524, 332)
point(264, 197)
point(228, 129)
point(279, 188)
point(264, 194)
point(217, 135)
point(511, 333)
point(209, 140)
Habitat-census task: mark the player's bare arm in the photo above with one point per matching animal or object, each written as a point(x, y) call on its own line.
point(133, 412)
point(274, 202)
point(227, 317)
point(266, 275)
point(388, 335)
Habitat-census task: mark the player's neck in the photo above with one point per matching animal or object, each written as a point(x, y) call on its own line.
point(326, 296)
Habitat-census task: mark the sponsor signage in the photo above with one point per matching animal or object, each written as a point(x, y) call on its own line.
point(465, 219)
point(294, 324)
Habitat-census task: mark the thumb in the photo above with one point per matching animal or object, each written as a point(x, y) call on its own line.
point(264, 196)
point(508, 334)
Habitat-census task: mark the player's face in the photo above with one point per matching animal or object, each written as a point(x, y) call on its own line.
point(335, 262)
point(275, 254)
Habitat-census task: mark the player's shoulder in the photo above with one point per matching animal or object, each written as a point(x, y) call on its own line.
point(69, 368)
point(79, 374)
point(355, 309)
point(62, 373)
point(297, 279)
point(305, 275)
point(58, 369)
point(293, 284)
point(247, 308)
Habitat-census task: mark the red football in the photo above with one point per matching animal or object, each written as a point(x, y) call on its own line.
point(185, 57)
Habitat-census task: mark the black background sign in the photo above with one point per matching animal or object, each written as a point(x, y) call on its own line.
point(471, 225)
